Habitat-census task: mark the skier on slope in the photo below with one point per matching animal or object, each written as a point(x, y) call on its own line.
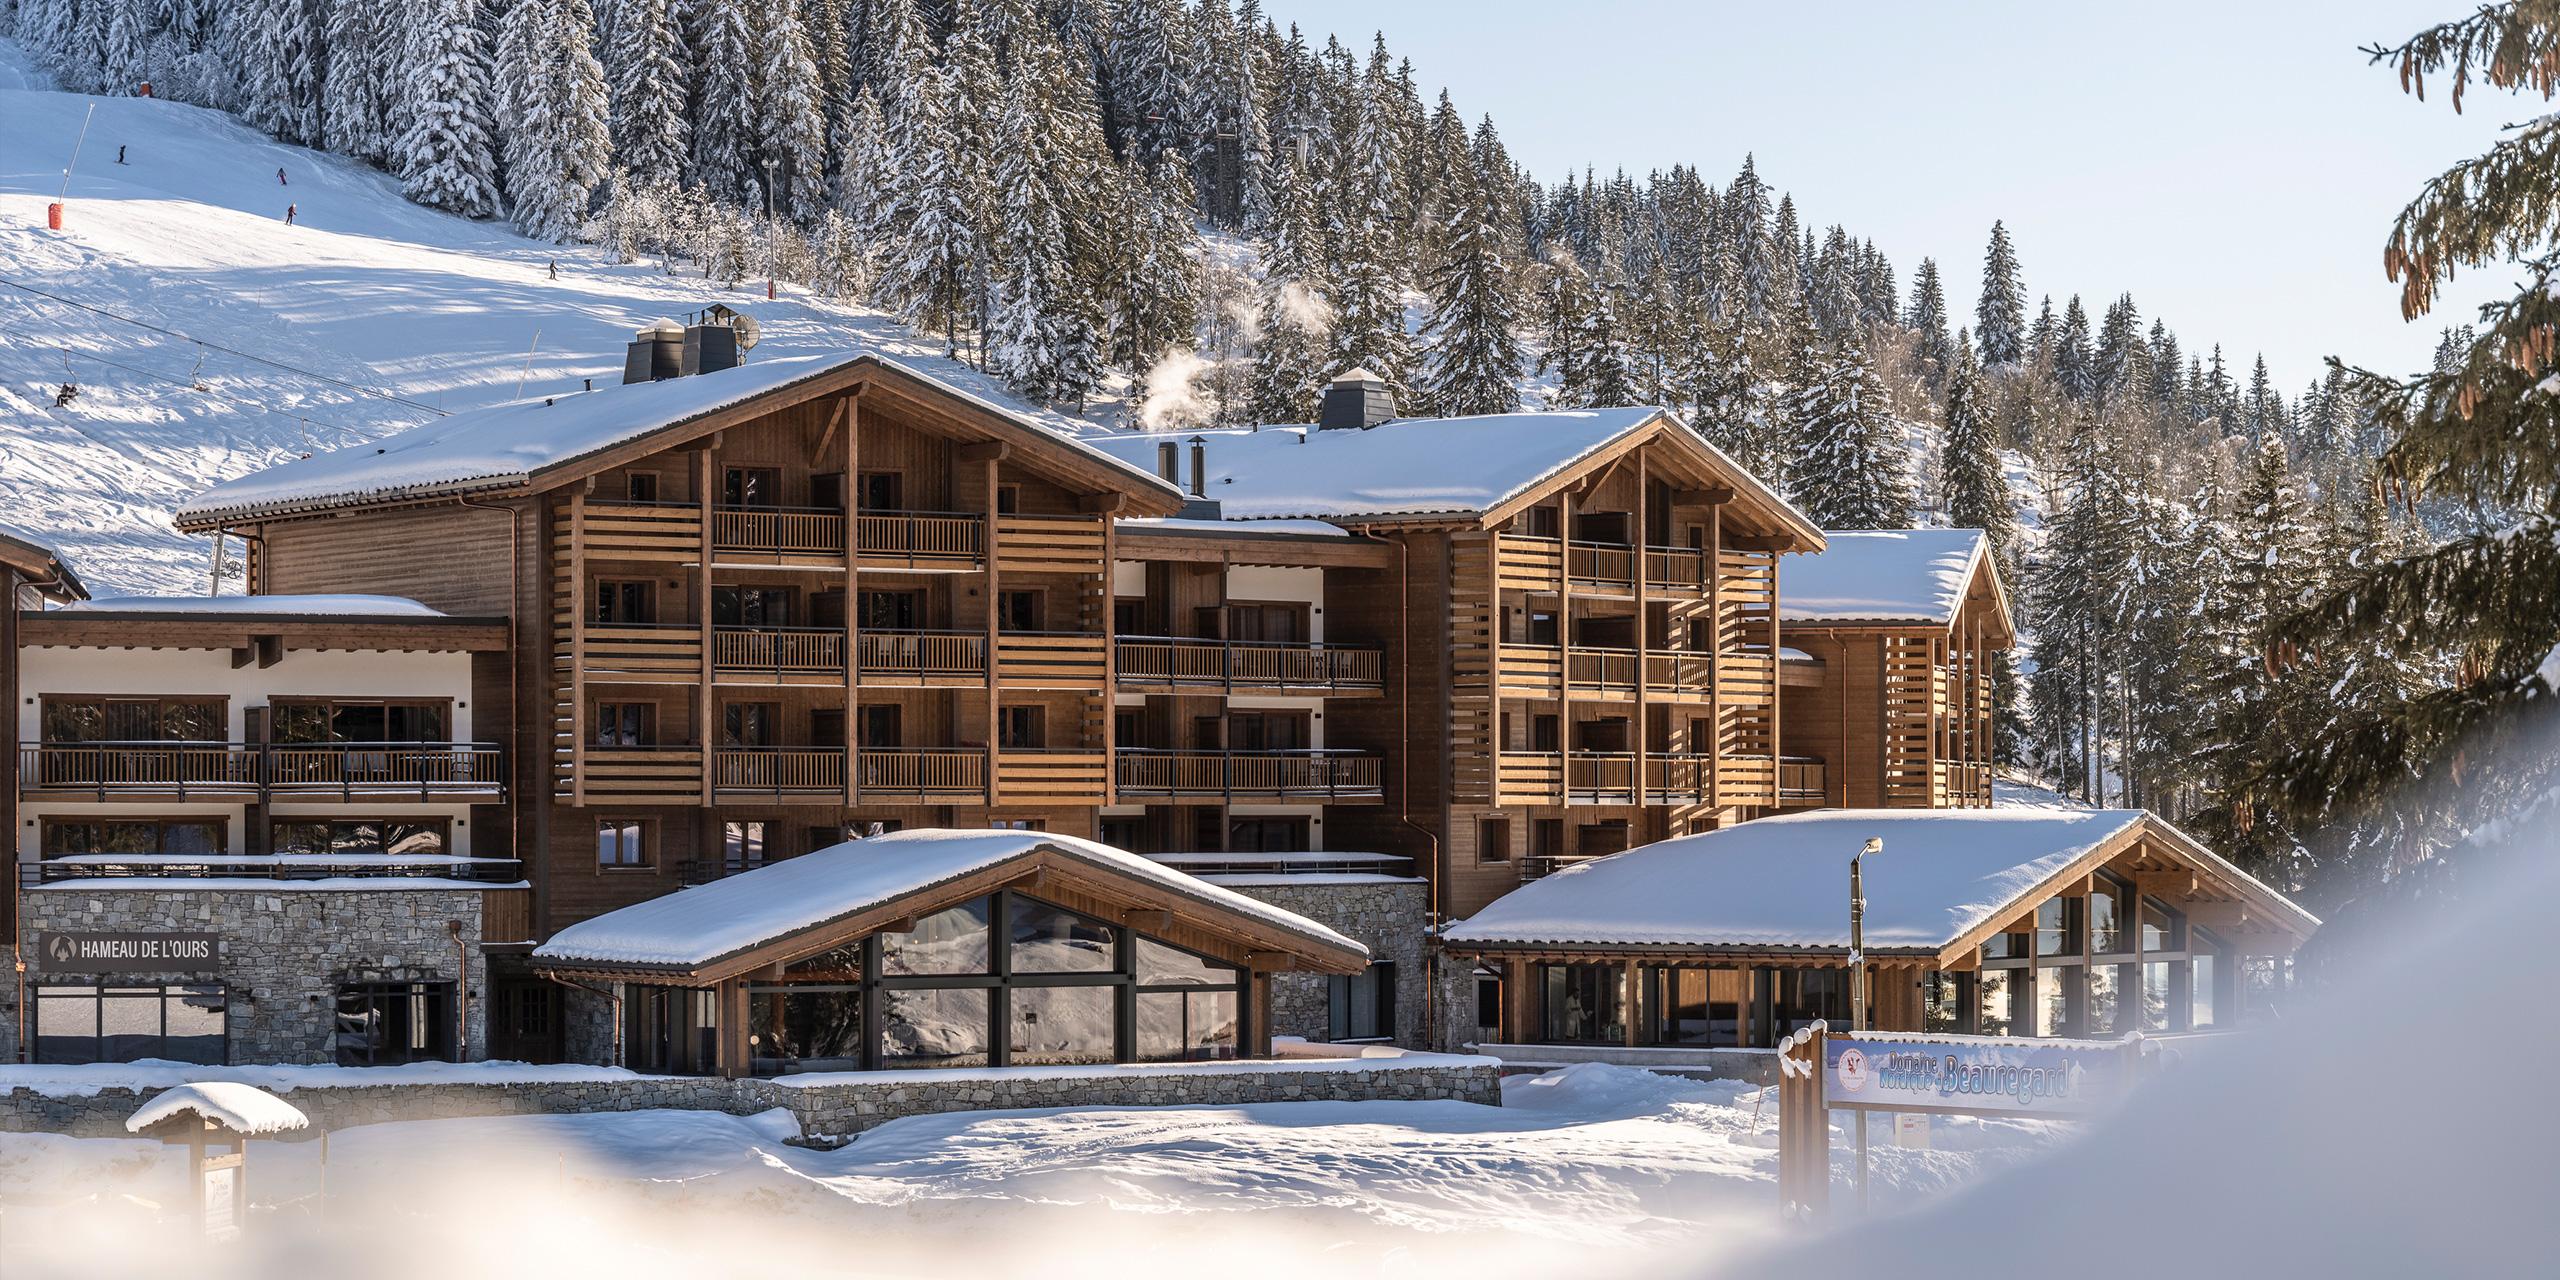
point(280, 177)
point(288, 215)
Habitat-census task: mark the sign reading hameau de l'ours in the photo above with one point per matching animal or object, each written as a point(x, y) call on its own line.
point(1972, 1074)
point(151, 952)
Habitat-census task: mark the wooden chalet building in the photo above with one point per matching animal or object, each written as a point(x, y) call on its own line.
point(2082, 923)
point(1895, 632)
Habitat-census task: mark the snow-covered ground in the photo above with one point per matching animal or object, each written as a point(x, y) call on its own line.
point(409, 311)
point(1595, 1170)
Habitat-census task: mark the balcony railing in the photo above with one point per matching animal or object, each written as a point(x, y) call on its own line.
point(923, 655)
point(1325, 775)
point(1531, 563)
point(777, 651)
point(1177, 662)
point(1802, 781)
point(778, 771)
point(186, 770)
point(189, 866)
point(921, 539)
point(783, 530)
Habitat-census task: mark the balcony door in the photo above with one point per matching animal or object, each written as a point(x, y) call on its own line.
point(751, 487)
point(1269, 731)
point(1261, 623)
point(751, 606)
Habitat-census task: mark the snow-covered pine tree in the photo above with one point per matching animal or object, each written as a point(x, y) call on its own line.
point(2000, 310)
point(1151, 75)
point(1475, 357)
point(1154, 301)
point(125, 53)
point(1368, 293)
point(447, 158)
point(1290, 361)
point(791, 124)
point(1928, 318)
point(550, 98)
point(281, 80)
point(930, 244)
point(1855, 471)
point(1596, 370)
point(1973, 485)
point(652, 127)
point(724, 103)
point(1041, 333)
point(356, 98)
point(2075, 364)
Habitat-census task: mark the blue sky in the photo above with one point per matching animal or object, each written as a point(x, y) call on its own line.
point(2234, 165)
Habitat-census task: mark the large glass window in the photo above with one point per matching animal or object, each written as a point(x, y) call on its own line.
point(2058, 927)
point(2203, 987)
point(1362, 1006)
point(2105, 1003)
point(384, 1024)
point(1584, 1003)
point(1696, 1006)
point(2107, 933)
point(1048, 940)
point(398, 837)
point(1995, 1001)
point(2163, 929)
point(1063, 1026)
point(1189, 1026)
point(2058, 1000)
point(2157, 994)
point(1800, 997)
point(934, 1027)
point(64, 837)
point(1942, 1002)
point(98, 1022)
point(953, 940)
point(135, 720)
point(383, 720)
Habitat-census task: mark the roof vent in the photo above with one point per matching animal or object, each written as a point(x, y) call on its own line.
point(656, 352)
point(1358, 399)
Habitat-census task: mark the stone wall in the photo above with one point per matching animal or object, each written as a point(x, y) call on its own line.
point(831, 1109)
point(1385, 915)
point(284, 951)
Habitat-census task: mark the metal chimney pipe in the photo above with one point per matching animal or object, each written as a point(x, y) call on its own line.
point(1169, 462)
point(1199, 466)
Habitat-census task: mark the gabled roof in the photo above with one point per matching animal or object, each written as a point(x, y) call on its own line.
point(531, 445)
point(702, 934)
point(1892, 577)
point(1944, 879)
point(1478, 468)
point(44, 568)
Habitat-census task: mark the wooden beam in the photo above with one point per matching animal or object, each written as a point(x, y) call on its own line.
point(1711, 497)
point(1763, 542)
point(985, 451)
point(1102, 504)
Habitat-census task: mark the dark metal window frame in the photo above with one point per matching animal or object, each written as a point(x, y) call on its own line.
point(56, 994)
point(435, 1010)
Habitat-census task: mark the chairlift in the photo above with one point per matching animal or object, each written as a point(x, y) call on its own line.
point(62, 399)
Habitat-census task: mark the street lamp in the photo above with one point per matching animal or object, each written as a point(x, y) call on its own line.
point(770, 249)
point(1858, 936)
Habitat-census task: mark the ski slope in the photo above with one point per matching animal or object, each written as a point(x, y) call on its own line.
point(365, 288)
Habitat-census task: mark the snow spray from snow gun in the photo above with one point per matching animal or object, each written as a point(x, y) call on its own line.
point(53, 212)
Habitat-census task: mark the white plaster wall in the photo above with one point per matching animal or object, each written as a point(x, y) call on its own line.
point(302, 674)
point(1269, 584)
point(1128, 577)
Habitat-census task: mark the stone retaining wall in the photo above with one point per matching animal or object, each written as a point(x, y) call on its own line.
point(836, 1110)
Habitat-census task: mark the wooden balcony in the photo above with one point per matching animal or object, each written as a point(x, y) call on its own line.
point(139, 770)
point(1545, 671)
point(1327, 776)
point(641, 775)
point(164, 771)
point(642, 653)
point(1052, 660)
point(931, 658)
point(1529, 777)
point(661, 531)
point(1052, 776)
point(1802, 781)
point(1051, 544)
point(1194, 665)
point(923, 541)
point(937, 775)
point(1668, 778)
point(778, 773)
point(778, 655)
point(1523, 563)
point(781, 533)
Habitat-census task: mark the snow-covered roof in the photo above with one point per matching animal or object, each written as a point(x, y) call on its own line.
point(1407, 467)
point(505, 446)
point(241, 1108)
point(316, 606)
point(696, 927)
point(35, 557)
point(1176, 524)
point(1783, 882)
point(1916, 576)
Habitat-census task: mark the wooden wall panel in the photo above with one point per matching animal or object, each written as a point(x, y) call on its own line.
point(449, 558)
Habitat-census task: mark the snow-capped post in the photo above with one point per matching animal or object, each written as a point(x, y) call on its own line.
point(214, 1121)
point(53, 212)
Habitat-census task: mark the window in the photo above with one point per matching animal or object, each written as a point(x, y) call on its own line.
point(741, 846)
point(1692, 1006)
point(1942, 1002)
point(2058, 1000)
point(2108, 899)
point(879, 723)
point(65, 837)
point(1799, 997)
point(2204, 985)
point(622, 842)
point(1019, 824)
point(2163, 928)
point(1018, 610)
point(135, 720)
point(891, 611)
point(2159, 996)
point(826, 491)
point(1546, 837)
point(1493, 839)
point(882, 491)
point(1062, 1026)
point(1269, 730)
point(1268, 834)
point(1008, 499)
point(98, 1022)
point(1539, 522)
point(1268, 623)
point(1129, 616)
point(1995, 1008)
point(2058, 927)
point(626, 724)
point(1125, 833)
point(342, 837)
point(751, 606)
point(952, 940)
point(2105, 988)
point(626, 603)
point(1022, 728)
point(1489, 1002)
point(387, 720)
point(382, 1024)
point(751, 487)
point(751, 724)
point(670, 1030)
point(1584, 1003)
point(640, 486)
point(1189, 1026)
point(1362, 1006)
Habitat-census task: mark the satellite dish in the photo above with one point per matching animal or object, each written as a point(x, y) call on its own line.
point(748, 330)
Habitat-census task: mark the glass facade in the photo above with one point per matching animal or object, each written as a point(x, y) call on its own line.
point(1003, 980)
point(100, 1022)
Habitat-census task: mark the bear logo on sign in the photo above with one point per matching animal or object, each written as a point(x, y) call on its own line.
point(1852, 1071)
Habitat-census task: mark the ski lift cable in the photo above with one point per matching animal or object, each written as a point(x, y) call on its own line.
point(357, 387)
point(69, 354)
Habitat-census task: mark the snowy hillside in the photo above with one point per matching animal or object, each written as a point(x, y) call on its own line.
point(365, 288)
